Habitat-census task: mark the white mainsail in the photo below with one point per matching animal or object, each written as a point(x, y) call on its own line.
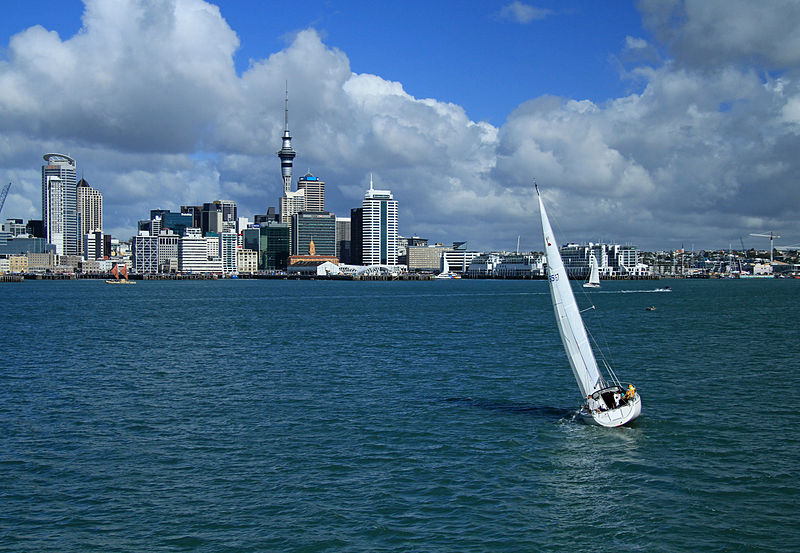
point(594, 273)
point(570, 324)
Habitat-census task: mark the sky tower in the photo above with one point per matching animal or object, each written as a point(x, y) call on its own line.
point(286, 153)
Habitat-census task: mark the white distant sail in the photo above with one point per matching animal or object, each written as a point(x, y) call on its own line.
point(604, 404)
point(594, 274)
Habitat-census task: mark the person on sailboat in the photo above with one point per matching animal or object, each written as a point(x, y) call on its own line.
point(631, 391)
point(597, 404)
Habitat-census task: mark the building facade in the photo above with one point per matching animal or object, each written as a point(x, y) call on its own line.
point(144, 253)
point(60, 203)
point(314, 190)
point(379, 230)
point(316, 226)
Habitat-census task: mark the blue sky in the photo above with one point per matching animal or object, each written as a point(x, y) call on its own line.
point(657, 123)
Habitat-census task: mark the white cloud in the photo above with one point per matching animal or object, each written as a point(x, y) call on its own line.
point(519, 12)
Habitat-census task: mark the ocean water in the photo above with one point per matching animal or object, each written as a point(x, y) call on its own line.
point(306, 416)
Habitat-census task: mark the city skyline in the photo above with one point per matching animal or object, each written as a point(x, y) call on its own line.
point(655, 125)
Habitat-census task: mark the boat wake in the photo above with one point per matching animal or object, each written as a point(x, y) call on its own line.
point(539, 411)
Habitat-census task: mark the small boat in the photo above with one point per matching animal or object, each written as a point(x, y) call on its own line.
point(594, 274)
point(607, 402)
point(446, 272)
point(116, 271)
point(664, 289)
point(650, 308)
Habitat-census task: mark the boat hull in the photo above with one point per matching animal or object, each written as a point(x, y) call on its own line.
point(618, 416)
point(590, 285)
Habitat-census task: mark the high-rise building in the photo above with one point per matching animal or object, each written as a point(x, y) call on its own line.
point(218, 216)
point(356, 236)
point(196, 211)
point(314, 188)
point(271, 241)
point(60, 204)
point(316, 226)
point(343, 239)
point(379, 231)
point(90, 208)
point(228, 244)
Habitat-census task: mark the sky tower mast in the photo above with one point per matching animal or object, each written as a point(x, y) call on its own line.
point(286, 153)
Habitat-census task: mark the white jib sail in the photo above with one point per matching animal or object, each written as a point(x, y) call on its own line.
point(570, 324)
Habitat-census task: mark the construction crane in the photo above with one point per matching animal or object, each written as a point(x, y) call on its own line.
point(3, 195)
point(771, 237)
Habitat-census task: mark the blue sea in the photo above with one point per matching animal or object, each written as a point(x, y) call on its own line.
point(311, 416)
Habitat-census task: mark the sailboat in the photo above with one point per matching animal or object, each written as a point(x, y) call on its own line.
point(446, 270)
point(116, 271)
point(594, 274)
point(607, 402)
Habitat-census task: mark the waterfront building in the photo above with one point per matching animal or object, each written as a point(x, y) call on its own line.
point(193, 253)
point(379, 230)
point(228, 245)
point(457, 259)
point(343, 239)
point(168, 250)
point(314, 190)
point(613, 260)
point(246, 261)
point(319, 226)
point(312, 257)
point(60, 203)
point(18, 263)
point(356, 236)
point(90, 210)
point(41, 262)
point(313, 268)
point(425, 258)
point(144, 253)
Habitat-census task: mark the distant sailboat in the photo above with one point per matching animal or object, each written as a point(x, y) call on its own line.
point(607, 402)
point(116, 271)
point(594, 274)
point(446, 274)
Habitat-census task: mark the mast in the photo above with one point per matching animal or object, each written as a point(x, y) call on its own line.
point(570, 324)
point(286, 153)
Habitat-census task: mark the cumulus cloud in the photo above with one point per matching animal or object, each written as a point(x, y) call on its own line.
point(158, 117)
point(519, 12)
point(707, 33)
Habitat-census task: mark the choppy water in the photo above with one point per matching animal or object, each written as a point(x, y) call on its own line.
point(422, 416)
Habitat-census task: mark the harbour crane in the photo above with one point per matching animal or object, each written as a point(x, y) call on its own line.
point(771, 237)
point(3, 195)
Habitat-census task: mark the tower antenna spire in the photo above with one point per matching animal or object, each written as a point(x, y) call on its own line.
point(286, 110)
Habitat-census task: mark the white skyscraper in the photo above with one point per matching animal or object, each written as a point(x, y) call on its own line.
point(379, 231)
point(90, 210)
point(60, 204)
